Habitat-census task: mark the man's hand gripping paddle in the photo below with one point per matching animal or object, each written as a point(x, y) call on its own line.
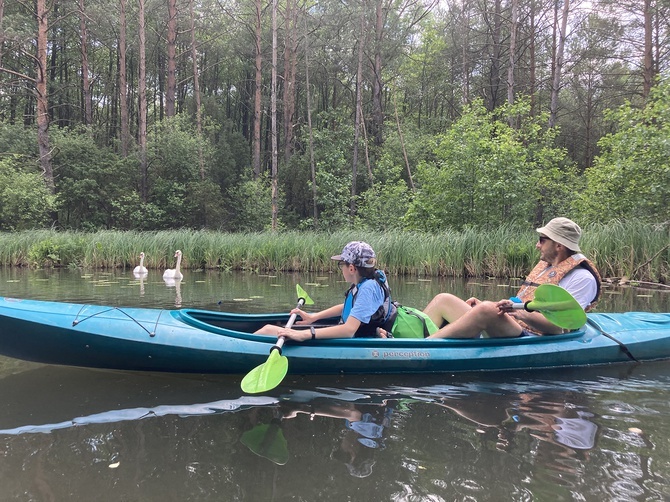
point(557, 305)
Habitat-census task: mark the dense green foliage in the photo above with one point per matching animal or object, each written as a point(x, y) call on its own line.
point(24, 199)
point(441, 145)
point(481, 172)
point(631, 177)
point(486, 173)
point(635, 250)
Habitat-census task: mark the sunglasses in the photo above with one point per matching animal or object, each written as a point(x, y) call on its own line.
point(543, 239)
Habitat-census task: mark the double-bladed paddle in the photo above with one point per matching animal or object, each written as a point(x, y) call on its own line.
point(268, 375)
point(557, 305)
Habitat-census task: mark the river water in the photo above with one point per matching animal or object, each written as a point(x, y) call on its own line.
point(571, 434)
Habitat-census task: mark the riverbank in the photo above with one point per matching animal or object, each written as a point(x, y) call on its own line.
point(638, 252)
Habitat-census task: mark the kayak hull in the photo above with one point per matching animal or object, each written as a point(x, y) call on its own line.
point(201, 341)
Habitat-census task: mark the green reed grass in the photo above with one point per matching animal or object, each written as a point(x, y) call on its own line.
point(634, 250)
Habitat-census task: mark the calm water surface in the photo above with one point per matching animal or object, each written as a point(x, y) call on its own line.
point(77, 434)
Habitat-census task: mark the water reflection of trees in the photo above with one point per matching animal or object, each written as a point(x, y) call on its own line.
point(487, 440)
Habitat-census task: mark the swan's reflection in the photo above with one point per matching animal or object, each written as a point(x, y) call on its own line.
point(140, 280)
point(174, 283)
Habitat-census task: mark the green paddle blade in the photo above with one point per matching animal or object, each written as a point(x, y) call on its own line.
point(266, 376)
point(303, 294)
point(268, 441)
point(558, 306)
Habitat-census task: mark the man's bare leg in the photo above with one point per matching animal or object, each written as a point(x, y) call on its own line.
point(446, 307)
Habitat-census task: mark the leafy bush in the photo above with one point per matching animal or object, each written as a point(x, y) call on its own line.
point(60, 251)
point(25, 201)
point(631, 176)
point(89, 180)
point(488, 173)
point(250, 206)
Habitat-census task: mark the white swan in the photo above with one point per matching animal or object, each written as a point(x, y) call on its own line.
point(174, 273)
point(141, 269)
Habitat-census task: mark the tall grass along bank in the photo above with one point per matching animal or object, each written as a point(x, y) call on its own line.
point(633, 250)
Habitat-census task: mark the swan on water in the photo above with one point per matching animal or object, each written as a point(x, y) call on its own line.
point(174, 273)
point(140, 269)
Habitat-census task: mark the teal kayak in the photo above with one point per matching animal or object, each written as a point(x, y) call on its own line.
point(203, 341)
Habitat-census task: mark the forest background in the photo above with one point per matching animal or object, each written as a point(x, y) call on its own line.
point(372, 115)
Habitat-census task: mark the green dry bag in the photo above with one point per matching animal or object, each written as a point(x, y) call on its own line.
point(412, 323)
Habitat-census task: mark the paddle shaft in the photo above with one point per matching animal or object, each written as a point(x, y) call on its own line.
point(532, 306)
point(291, 320)
point(268, 375)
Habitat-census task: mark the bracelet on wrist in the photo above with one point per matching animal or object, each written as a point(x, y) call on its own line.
point(313, 331)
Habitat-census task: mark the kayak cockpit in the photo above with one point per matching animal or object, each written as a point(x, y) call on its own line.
point(245, 325)
point(228, 323)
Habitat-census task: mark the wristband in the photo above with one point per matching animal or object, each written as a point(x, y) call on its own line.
point(313, 331)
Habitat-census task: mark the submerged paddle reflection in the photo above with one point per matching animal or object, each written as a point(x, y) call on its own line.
point(362, 430)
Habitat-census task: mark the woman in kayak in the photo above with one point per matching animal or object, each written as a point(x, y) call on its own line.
point(367, 305)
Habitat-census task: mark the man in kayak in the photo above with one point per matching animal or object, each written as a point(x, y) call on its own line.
point(367, 305)
point(561, 262)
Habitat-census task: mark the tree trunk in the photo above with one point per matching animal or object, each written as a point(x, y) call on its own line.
point(42, 96)
point(495, 55)
point(357, 119)
point(273, 118)
point(558, 62)
point(366, 145)
point(257, 94)
point(2, 30)
point(170, 91)
point(57, 74)
point(512, 52)
point(588, 125)
point(85, 84)
point(402, 144)
point(196, 89)
point(142, 106)
point(659, 48)
point(110, 114)
point(532, 60)
point(648, 71)
point(377, 108)
point(123, 84)
point(464, 54)
point(312, 165)
point(290, 65)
